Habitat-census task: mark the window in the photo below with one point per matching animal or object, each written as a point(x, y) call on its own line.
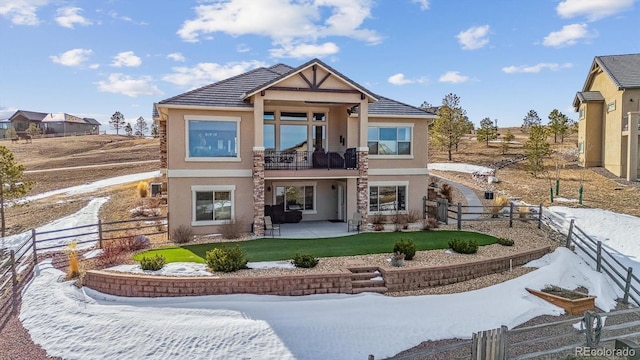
point(293, 137)
point(581, 147)
point(296, 197)
point(383, 140)
point(293, 116)
point(581, 116)
point(387, 198)
point(211, 139)
point(269, 116)
point(319, 117)
point(269, 133)
point(213, 205)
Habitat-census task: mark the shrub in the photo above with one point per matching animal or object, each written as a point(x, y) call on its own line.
point(499, 203)
point(233, 229)
point(377, 219)
point(142, 189)
point(182, 234)
point(397, 259)
point(226, 259)
point(505, 242)
point(430, 224)
point(407, 247)
point(112, 253)
point(378, 227)
point(413, 216)
point(135, 243)
point(464, 246)
point(446, 191)
point(153, 263)
point(523, 212)
point(74, 265)
point(306, 261)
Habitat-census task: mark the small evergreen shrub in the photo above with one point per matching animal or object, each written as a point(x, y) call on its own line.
point(153, 263)
point(182, 234)
point(306, 261)
point(406, 247)
point(505, 242)
point(464, 246)
point(226, 259)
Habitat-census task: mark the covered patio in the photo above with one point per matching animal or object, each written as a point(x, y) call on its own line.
point(312, 230)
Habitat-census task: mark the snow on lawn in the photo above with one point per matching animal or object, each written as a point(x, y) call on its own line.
point(465, 168)
point(88, 215)
point(194, 269)
point(77, 323)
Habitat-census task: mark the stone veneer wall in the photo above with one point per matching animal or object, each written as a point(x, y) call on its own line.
point(362, 186)
point(402, 279)
point(258, 192)
point(136, 285)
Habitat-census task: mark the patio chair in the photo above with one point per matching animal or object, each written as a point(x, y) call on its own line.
point(355, 222)
point(269, 227)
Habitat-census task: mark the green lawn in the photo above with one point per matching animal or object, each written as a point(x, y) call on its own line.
point(270, 249)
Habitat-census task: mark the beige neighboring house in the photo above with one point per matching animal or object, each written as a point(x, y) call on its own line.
point(609, 108)
point(298, 144)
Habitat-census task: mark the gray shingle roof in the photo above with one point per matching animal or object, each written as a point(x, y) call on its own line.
point(624, 70)
point(281, 68)
point(586, 96)
point(91, 121)
point(31, 115)
point(386, 106)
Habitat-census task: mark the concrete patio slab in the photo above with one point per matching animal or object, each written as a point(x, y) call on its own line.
point(313, 230)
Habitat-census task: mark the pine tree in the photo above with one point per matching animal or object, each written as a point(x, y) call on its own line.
point(117, 121)
point(11, 133)
point(12, 185)
point(128, 129)
point(506, 141)
point(451, 124)
point(141, 127)
point(536, 149)
point(558, 124)
point(487, 131)
point(155, 131)
point(532, 119)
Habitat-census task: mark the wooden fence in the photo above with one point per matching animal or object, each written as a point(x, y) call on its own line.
point(17, 265)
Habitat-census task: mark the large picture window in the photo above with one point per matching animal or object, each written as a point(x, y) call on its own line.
point(213, 205)
point(212, 139)
point(387, 198)
point(296, 197)
point(387, 140)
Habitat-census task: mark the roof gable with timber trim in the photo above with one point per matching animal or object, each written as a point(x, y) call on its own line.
point(622, 70)
point(316, 76)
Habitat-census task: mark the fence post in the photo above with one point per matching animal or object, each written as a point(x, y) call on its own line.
point(33, 243)
point(424, 207)
point(539, 216)
point(100, 233)
point(599, 257)
point(510, 214)
point(14, 274)
point(568, 245)
point(446, 206)
point(490, 344)
point(627, 286)
point(459, 216)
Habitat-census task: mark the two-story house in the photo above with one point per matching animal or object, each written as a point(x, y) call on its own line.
point(305, 140)
point(609, 108)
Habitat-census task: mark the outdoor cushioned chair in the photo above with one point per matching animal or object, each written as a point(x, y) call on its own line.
point(355, 222)
point(269, 227)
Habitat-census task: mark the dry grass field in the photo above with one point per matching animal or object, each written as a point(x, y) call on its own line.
point(516, 181)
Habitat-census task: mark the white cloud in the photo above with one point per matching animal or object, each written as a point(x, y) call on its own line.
point(304, 50)
point(243, 48)
point(74, 57)
point(207, 73)
point(67, 17)
point(453, 77)
point(424, 4)
point(568, 35)
point(399, 79)
point(176, 57)
point(288, 23)
point(535, 68)
point(126, 85)
point(6, 112)
point(117, 16)
point(22, 12)
point(474, 37)
point(593, 9)
point(126, 58)
point(94, 66)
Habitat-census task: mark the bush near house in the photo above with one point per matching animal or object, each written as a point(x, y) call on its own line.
point(153, 263)
point(306, 261)
point(226, 259)
point(182, 234)
point(407, 247)
point(467, 246)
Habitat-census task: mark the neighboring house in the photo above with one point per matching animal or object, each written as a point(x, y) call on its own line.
point(54, 124)
point(609, 108)
point(294, 140)
point(4, 125)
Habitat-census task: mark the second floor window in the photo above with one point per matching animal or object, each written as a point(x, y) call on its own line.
point(389, 140)
point(212, 139)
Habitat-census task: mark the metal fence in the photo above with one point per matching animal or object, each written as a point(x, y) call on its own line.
point(462, 213)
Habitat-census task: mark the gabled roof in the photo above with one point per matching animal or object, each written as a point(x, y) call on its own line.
point(623, 70)
point(92, 121)
point(31, 115)
point(586, 96)
point(386, 106)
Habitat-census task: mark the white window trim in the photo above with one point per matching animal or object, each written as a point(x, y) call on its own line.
point(392, 125)
point(188, 118)
point(302, 183)
point(389, 183)
point(212, 188)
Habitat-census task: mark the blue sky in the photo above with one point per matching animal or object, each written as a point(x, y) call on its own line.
point(502, 57)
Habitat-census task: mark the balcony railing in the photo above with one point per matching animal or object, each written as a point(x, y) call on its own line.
point(301, 160)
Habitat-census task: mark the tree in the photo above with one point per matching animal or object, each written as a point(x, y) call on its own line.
point(33, 130)
point(558, 124)
point(506, 141)
point(117, 121)
point(155, 132)
point(128, 129)
point(141, 127)
point(450, 124)
point(536, 149)
point(487, 131)
point(11, 133)
point(532, 119)
point(12, 185)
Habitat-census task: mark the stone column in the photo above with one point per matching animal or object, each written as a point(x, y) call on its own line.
point(362, 184)
point(258, 191)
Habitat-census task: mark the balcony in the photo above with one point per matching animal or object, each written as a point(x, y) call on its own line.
point(302, 160)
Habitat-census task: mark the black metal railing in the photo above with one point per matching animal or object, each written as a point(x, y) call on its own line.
point(301, 160)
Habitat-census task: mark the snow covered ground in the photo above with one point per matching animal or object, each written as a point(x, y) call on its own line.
point(193, 269)
point(459, 167)
point(82, 324)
